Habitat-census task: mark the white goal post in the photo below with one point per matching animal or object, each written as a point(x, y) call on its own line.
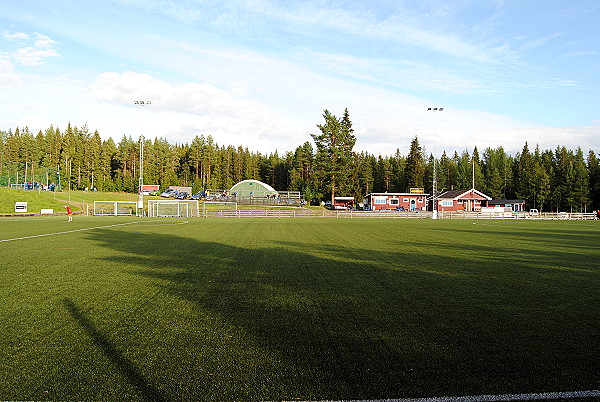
point(218, 208)
point(173, 208)
point(115, 208)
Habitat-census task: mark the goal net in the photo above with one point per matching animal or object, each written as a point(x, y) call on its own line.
point(178, 208)
point(219, 208)
point(115, 208)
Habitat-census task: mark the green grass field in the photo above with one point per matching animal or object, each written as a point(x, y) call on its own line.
point(284, 309)
point(37, 200)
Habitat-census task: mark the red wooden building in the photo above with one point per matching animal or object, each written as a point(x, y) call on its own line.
point(462, 200)
point(146, 188)
point(343, 202)
point(413, 201)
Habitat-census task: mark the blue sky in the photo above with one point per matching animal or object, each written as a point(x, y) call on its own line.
point(259, 73)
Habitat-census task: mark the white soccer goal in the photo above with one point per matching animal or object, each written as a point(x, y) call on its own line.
point(179, 208)
point(218, 208)
point(115, 208)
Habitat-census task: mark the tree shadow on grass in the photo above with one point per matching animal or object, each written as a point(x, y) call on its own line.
point(585, 237)
point(370, 327)
point(125, 366)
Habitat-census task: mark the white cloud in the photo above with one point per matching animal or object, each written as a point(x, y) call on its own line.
point(43, 41)
point(402, 23)
point(383, 120)
point(29, 56)
point(16, 36)
point(8, 77)
point(35, 54)
point(182, 111)
point(533, 44)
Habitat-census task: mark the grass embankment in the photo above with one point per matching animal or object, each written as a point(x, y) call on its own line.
point(279, 309)
point(38, 200)
point(80, 200)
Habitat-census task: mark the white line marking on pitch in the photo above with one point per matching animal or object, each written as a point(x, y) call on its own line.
point(81, 230)
point(495, 398)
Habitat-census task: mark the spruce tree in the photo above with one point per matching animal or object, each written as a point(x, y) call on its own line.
point(415, 166)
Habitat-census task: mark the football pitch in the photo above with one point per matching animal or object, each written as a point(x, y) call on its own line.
point(108, 308)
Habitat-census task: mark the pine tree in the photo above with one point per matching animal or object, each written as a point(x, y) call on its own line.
point(563, 180)
point(539, 182)
point(593, 166)
point(106, 167)
point(523, 175)
point(92, 154)
point(366, 172)
point(301, 169)
point(493, 161)
point(443, 173)
point(477, 178)
point(464, 176)
point(334, 150)
point(581, 182)
point(196, 154)
point(398, 165)
point(383, 174)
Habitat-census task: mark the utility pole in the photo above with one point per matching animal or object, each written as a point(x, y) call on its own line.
point(141, 180)
point(434, 189)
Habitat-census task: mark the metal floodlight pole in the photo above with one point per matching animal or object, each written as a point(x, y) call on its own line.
point(435, 189)
point(58, 174)
point(141, 180)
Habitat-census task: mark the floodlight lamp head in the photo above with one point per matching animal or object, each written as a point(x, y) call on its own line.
point(428, 108)
point(440, 109)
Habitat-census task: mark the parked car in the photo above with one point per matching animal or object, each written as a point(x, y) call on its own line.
point(168, 193)
point(534, 212)
point(154, 192)
point(182, 195)
point(315, 202)
point(199, 195)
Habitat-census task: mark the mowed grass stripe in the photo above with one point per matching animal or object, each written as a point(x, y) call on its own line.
point(224, 309)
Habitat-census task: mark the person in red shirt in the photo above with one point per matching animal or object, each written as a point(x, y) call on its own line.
point(69, 213)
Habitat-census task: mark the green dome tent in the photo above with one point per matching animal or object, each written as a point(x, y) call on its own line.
point(253, 188)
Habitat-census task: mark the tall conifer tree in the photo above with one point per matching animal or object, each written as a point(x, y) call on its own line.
point(334, 151)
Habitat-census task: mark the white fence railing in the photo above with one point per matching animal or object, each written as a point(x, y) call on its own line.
point(310, 213)
point(540, 216)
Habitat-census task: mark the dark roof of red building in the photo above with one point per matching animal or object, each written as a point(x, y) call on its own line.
point(496, 202)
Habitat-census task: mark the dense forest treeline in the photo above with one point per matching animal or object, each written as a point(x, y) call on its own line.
point(558, 179)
